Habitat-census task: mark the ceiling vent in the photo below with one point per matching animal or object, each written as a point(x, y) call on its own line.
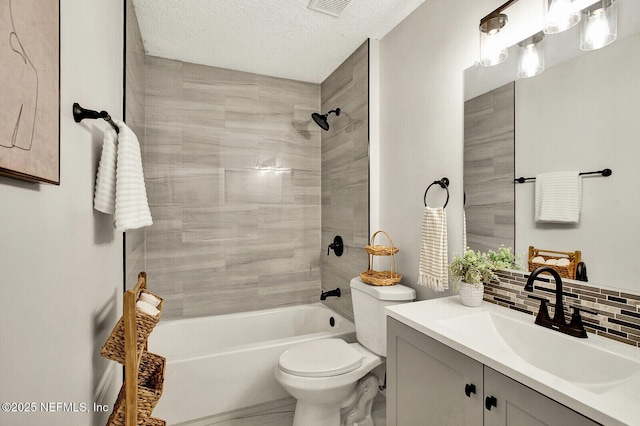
point(330, 7)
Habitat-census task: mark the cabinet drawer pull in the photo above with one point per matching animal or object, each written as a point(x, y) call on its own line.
point(469, 388)
point(490, 401)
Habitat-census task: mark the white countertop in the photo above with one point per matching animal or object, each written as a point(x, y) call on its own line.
point(615, 405)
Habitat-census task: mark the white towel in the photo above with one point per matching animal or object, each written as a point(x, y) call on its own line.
point(150, 299)
point(558, 197)
point(147, 308)
point(132, 207)
point(104, 199)
point(433, 268)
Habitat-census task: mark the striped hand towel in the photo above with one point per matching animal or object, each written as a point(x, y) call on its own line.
point(104, 199)
point(132, 207)
point(558, 197)
point(433, 267)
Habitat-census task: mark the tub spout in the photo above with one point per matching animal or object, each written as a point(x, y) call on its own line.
point(325, 294)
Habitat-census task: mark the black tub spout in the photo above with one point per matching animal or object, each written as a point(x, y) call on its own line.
point(325, 294)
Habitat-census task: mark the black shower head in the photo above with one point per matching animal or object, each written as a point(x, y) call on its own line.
point(321, 120)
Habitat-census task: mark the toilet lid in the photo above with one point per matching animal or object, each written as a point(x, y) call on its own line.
point(320, 358)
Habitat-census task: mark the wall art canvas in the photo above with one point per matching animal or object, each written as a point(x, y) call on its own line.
point(29, 88)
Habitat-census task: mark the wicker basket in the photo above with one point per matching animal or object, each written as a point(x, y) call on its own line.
point(150, 384)
point(381, 278)
point(568, 271)
point(113, 348)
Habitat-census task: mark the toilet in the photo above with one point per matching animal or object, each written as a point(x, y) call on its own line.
point(330, 378)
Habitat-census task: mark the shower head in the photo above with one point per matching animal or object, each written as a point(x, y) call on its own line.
point(321, 120)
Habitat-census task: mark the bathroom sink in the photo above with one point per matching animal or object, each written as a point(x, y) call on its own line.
point(597, 377)
point(575, 360)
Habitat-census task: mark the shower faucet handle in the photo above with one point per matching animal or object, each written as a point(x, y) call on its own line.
point(337, 246)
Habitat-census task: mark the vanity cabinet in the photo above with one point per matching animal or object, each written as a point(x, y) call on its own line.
point(429, 383)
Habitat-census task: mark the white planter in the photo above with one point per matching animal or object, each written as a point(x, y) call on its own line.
point(470, 295)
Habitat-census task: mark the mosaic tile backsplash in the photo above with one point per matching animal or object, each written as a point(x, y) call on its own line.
point(618, 312)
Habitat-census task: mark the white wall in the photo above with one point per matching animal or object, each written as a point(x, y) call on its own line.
point(422, 64)
point(60, 261)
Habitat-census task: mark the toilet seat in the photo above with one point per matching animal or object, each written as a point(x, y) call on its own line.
point(321, 358)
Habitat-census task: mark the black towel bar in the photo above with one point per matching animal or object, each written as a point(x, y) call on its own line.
point(604, 172)
point(80, 114)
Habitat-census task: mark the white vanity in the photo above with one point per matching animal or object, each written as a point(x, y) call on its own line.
point(452, 365)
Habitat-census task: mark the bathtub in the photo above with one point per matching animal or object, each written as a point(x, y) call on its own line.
point(222, 363)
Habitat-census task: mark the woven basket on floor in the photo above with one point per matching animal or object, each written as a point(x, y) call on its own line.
point(113, 348)
point(381, 278)
point(150, 384)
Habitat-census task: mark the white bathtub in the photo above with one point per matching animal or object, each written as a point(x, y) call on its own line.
point(222, 363)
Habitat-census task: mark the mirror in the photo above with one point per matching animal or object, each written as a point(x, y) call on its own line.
point(580, 114)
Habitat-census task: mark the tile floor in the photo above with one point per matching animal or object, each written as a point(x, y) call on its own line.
point(281, 414)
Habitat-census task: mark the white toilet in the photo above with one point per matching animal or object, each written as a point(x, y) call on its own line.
point(325, 375)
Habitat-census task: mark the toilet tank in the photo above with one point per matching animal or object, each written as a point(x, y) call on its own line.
point(369, 314)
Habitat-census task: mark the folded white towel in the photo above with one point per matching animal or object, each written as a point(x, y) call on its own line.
point(150, 299)
point(132, 207)
point(558, 197)
point(105, 195)
point(147, 308)
point(433, 267)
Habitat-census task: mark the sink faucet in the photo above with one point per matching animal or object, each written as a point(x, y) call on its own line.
point(558, 323)
point(558, 316)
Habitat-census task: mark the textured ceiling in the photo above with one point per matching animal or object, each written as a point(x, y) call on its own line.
point(281, 38)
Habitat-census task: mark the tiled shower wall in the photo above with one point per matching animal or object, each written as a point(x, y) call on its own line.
point(232, 167)
point(345, 175)
point(134, 116)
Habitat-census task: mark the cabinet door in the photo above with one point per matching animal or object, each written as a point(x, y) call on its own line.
point(428, 382)
point(516, 404)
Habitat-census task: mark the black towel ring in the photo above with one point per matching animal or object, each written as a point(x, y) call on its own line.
point(444, 184)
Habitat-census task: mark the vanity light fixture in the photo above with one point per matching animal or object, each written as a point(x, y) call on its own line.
point(493, 48)
point(531, 59)
point(599, 25)
point(561, 16)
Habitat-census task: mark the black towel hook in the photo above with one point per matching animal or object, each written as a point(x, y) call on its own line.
point(80, 114)
point(444, 184)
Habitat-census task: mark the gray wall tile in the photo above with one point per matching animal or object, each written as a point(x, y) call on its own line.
point(242, 204)
point(345, 175)
point(134, 250)
point(233, 178)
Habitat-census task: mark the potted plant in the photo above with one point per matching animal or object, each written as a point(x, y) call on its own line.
point(469, 273)
point(504, 258)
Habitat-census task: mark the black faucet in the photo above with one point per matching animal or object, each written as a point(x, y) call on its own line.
point(558, 323)
point(325, 294)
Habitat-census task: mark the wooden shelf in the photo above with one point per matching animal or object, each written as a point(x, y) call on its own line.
point(126, 337)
